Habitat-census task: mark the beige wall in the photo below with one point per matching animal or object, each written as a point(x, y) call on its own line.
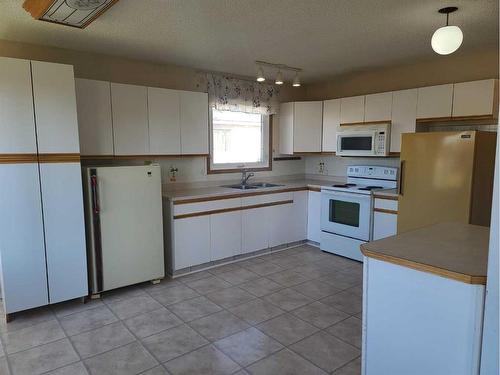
point(118, 69)
point(438, 70)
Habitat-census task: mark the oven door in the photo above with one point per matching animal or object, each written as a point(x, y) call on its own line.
point(346, 214)
point(360, 143)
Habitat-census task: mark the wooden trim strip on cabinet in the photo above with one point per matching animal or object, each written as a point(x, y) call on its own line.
point(18, 158)
point(317, 189)
point(232, 209)
point(386, 197)
point(488, 119)
point(59, 158)
point(385, 211)
point(468, 279)
point(125, 157)
point(236, 195)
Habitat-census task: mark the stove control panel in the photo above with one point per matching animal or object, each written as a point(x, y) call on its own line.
point(373, 171)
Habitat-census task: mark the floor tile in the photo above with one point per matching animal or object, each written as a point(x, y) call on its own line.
point(230, 297)
point(205, 361)
point(218, 325)
point(158, 370)
point(340, 280)
point(4, 366)
point(123, 293)
point(127, 360)
point(256, 311)
point(87, 320)
point(348, 330)
point(287, 299)
point(208, 285)
point(163, 284)
point(194, 308)
point(312, 271)
point(194, 276)
point(152, 322)
point(325, 351)
point(345, 301)
point(288, 278)
point(238, 276)
point(26, 319)
point(174, 342)
point(29, 337)
point(224, 268)
point(352, 368)
point(264, 268)
point(320, 315)
point(74, 306)
point(284, 362)
point(287, 329)
point(248, 346)
point(286, 261)
point(73, 369)
point(43, 358)
point(261, 286)
point(168, 296)
point(356, 289)
point(316, 289)
point(101, 339)
point(126, 308)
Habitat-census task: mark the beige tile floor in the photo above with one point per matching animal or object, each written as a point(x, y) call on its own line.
point(295, 311)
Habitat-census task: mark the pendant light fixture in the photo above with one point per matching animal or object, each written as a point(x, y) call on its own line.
point(296, 80)
point(279, 78)
point(447, 39)
point(260, 75)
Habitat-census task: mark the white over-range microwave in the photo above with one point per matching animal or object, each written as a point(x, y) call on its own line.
point(364, 140)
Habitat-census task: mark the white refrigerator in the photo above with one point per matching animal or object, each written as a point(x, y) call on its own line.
point(124, 226)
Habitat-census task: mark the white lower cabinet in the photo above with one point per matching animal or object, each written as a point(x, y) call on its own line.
point(313, 216)
point(254, 229)
point(191, 239)
point(225, 235)
point(297, 230)
point(64, 225)
point(280, 223)
point(385, 218)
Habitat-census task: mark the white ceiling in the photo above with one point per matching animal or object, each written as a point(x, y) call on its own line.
point(324, 37)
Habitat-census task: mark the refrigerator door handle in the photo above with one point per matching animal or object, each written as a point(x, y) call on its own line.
point(95, 196)
point(401, 177)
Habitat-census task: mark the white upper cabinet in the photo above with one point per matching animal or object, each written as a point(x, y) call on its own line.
point(307, 124)
point(331, 123)
point(286, 129)
point(55, 107)
point(164, 121)
point(435, 101)
point(352, 109)
point(130, 119)
point(194, 122)
point(476, 98)
point(93, 99)
point(378, 107)
point(17, 122)
point(404, 115)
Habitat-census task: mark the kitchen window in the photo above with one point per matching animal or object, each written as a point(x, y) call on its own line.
point(238, 140)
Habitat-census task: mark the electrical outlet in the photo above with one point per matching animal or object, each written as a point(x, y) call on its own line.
point(321, 167)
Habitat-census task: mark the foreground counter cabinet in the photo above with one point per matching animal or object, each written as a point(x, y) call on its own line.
point(423, 301)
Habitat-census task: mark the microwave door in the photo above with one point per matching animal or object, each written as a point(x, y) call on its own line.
point(356, 144)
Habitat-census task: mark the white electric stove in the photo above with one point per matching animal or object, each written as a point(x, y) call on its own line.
point(347, 209)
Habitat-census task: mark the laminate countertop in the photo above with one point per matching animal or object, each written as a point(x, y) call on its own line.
point(216, 191)
point(452, 250)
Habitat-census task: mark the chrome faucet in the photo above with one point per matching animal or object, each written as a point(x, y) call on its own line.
point(245, 176)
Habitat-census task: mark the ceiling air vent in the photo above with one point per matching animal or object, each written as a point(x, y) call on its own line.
point(76, 13)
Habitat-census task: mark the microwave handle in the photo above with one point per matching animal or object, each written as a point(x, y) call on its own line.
point(401, 176)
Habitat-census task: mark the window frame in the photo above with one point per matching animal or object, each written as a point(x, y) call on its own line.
point(265, 165)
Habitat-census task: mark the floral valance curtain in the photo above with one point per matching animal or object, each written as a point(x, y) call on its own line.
point(232, 94)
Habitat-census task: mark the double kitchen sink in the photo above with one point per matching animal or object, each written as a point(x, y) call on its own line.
point(256, 185)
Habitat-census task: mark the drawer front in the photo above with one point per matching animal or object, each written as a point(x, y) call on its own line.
point(268, 198)
point(386, 204)
point(189, 208)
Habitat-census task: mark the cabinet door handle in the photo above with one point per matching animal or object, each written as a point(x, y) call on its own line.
point(95, 197)
point(401, 176)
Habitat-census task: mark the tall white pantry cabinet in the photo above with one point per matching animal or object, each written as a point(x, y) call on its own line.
point(42, 233)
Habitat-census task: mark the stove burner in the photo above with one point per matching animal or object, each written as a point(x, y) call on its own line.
point(371, 187)
point(344, 185)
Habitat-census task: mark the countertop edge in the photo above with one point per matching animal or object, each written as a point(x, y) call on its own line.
point(439, 271)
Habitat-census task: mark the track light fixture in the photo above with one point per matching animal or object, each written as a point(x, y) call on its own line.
point(280, 68)
point(447, 39)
